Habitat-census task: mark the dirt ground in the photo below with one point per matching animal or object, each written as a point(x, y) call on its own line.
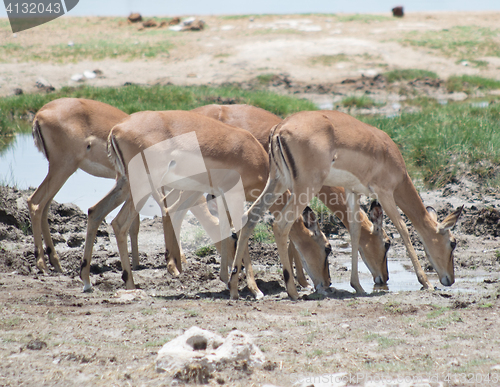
point(53, 334)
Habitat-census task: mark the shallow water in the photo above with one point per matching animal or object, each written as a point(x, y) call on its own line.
point(23, 166)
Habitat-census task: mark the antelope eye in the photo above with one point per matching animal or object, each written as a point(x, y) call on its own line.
point(453, 244)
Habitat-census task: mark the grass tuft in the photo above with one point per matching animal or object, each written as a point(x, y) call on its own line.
point(468, 83)
point(362, 102)
point(408, 75)
point(15, 110)
point(460, 41)
point(204, 251)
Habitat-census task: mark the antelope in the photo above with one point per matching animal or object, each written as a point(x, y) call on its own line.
point(309, 150)
point(222, 147)
point(72, 134)
point(373, 244)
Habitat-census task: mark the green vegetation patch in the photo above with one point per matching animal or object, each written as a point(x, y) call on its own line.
point(91, 50)
point(460, 41)
point(437, 143)
point(328, 60)
point(408, 75)
point(16, 110)
point(362, 102)
point(383, 341)
point(204, 251)
point(468, 83)
point(263, 233)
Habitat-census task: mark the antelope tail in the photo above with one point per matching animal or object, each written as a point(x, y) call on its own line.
point(115, 155)
point(38, 138)
point(278, 155)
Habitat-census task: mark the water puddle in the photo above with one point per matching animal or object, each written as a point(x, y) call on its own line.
point(23, 166)
point(400, 278)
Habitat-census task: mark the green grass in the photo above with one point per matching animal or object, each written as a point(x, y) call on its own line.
point(95, 49)
point(265, 78)
point(319, 208)
point(263, 233)
point(408, 75)
point(459, 41)
point(439, 143)
point(362, 102)
point(14, 109)
point(328, 60)
point(468, 83)
point(204, 251)
point(383, 342)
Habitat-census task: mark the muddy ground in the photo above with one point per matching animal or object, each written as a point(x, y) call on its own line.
point(53, 334)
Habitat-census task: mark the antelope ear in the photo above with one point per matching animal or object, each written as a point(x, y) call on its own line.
point(432, 212)
point(310, 220)
point(212, 205)
point(449, 222)
point(376, 215)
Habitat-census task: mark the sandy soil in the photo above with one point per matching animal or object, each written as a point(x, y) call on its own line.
point(236, 50)
point(53, 334)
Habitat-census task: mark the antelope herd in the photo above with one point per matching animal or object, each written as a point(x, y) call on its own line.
point(280, 165)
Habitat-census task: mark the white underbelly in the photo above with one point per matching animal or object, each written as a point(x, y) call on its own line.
point(97, 169)
point(343, 178)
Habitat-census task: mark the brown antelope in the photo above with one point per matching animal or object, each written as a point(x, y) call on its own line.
point(222, 147)
point(311, 149)
point(373, 242)
point(72, 134)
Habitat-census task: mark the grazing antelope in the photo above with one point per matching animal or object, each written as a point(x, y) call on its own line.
point(311, 149)
point(222, 147)
point(72, 134)
point(373, 242)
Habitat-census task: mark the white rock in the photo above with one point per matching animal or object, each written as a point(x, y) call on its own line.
point(77, 77)
point(239, 346)
point(227, 28)
point(70, 43)
point(89, 74)
point(124, 295)
point(42, 82)
point(206, 349)
point(190, 347)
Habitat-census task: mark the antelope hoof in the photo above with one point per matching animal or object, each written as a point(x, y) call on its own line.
point(379, 280)
point(293, 294)
point(183, 258)
point(259, 295)
point(88, 288)
point(235, 296)
point(174, 271)
point(428, 286)
point(56, 264)
point(359, 289)
point(42, 266)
